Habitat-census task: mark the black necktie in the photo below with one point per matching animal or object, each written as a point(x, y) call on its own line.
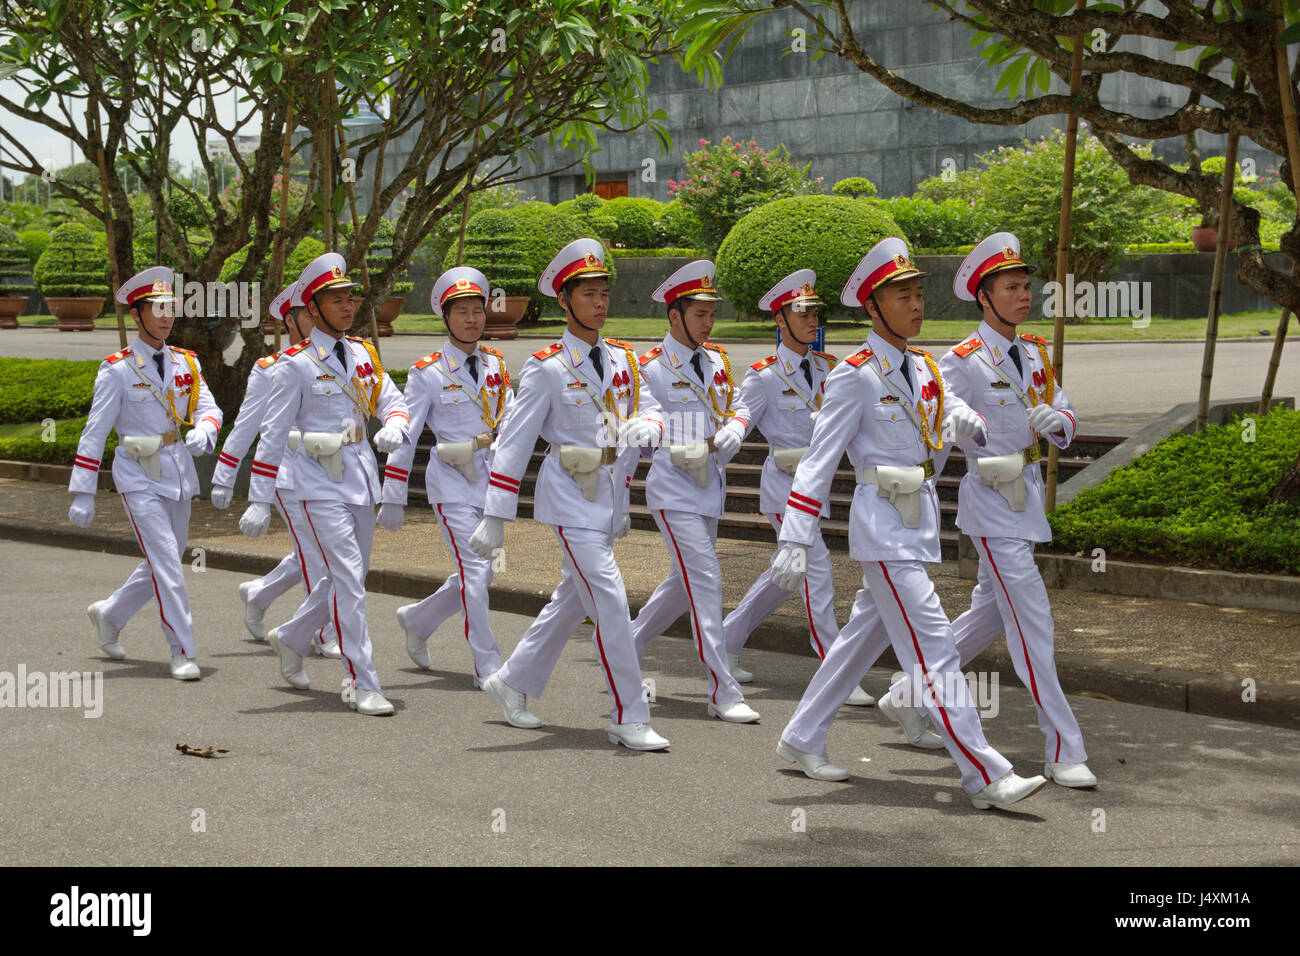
point(699, 370)
point(472, 362)
point(338, 351)
point(157, 361)
point(1015, 357)
point(907, 371)
point(807, 372)
point(597, 361)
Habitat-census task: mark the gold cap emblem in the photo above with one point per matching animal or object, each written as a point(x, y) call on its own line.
point(1010, 253)
point(462, 284)
point(336, 272)
point(591, 260)
point(706, 282)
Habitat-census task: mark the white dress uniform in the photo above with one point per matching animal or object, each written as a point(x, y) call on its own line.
point(563, 398)
point(864, 414)
point(137, 402)
point(325, 397)
point(782, 394)
point(458, 405)
point(695, 403)
point(1005, 522)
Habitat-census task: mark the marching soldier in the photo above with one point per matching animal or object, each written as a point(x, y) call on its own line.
point(461, 392)
point(585, 396)
point(305, 564)
point(686, 486)
point(782, 394)
point(146, 393)
point(327, 387)
point(887, 405)
point(1006, 377)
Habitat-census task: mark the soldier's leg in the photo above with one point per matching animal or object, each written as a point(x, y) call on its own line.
point(472, 579)
point(344, 533)
point(921, 636)
point(818, 593)
point(155, 526)
point(666, 604)
point(314, 618)
point(530, 665)
point(759, 603)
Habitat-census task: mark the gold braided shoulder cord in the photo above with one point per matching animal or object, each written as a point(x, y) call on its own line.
point(196, 381)
point(633, 366)
point(371, 402)
point(1050, 373)
point(927, 432)
point(727, 412)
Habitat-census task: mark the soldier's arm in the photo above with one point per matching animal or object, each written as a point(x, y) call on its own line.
point(518, 436)
point(753, 398)
point(958, 380)
point(391, 408)
point(397, 467)
point(282, 407)
point(1062, 404)
point(207, 414)
point(247, 422)
point(104, 408)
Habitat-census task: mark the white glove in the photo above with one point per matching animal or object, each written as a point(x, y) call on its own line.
point(221, 496)
point(196, 440)
point(789, 566)
point(1046, 420)
point(256, 519)
point(488, 536)
point(391, 516)
point(624, 526)
point(726, 442)
point(964, 423)
point(641, 433)
point(389, 438)
point(82, 512)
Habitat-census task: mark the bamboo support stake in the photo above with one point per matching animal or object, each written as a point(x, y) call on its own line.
point(280, 255)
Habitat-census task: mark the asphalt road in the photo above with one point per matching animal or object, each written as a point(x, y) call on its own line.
point(1116, 388)
point(445, 780)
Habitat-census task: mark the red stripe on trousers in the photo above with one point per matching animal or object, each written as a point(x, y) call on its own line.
point(1024, 648)
point(600, 645)
point(695, 620)
point(925, 671)
point(297, 546)
point(460, 570)
point(157, 596)
point(337, 629)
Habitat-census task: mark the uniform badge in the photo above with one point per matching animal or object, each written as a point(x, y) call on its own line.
point(889, 399)
point(789, 391)
point(681, 384)
point(454, 386)
point(324, 378)
point(140, 385)
point(574, 385)
point(1000, 384)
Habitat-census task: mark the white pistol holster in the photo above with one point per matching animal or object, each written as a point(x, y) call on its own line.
point(144, 449)
point(693, 459)
point(460, 455)
point(295, 439)
point(326, 448)
point(787, 459)
point(901, 484)
point(583, 465)
point(1006, 475)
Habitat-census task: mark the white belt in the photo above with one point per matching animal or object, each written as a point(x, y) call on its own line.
point(327, 448)
point(1005, 474)
point(787, 459)
point(901, 484)
point(584, 464)
point(460, 454)
point(295, 439)
point(146, 450)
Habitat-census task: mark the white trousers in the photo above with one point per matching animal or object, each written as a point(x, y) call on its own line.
point(898, 606)
point(1010, 598)
point(763, 598)
point(305, 566)
point(694, 586)
point(342, 534)
point(466, 591)
point(162, 527)
point(591, 585)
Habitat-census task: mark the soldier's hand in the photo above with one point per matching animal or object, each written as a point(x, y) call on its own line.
point(488, 536)
point(964, 423)
point(726, 442)
point(221, 496)
point(196, 440)
point(82, 512)
point(1046, 420)
point(789, 566)
point(256, 519)
point(389, 439)
point(624, 525)
point(640, 433)
point(391, 516)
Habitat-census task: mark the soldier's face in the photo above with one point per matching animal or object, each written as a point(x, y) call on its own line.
point(903, 306)
point(465, 318)
point(697, 318)
point(588, 302)
point(801, 324)
point(300, 324)
point(155, 317)
point(337, 307)
point(1010, 294)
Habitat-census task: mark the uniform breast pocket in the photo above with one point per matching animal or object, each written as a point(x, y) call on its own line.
point(455, 403)
point(575, 407)
point(1002, 409)
point(324, 388)
point(893, 426)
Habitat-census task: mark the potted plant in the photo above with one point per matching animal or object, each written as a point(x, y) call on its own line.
point(503, 260)
point(71, 276)
point(378, 256)
point(15, 287)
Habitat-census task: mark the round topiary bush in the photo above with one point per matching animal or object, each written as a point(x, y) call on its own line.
point(73, 264)
point(33, 242)
point(307, 249)
point(636, 222)
point(15, 271)
point(679, 225)
point(855, 187)
point(829, 234)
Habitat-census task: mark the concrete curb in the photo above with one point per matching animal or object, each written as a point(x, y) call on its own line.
point(1126, 681)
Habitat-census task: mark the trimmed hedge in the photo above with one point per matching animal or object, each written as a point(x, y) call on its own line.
point(36, 389)
point(659, 253)
point(929, 225)
point(678, 224)
point(307, 249)
point(73, 264)
point(830, 234)
point(15, 271)
point(1198, 499)
point(61, 451)
point(636, 221)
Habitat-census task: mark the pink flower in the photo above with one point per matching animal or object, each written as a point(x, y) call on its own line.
point(736, 173)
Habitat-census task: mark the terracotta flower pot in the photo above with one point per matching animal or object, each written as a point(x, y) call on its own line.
point(391, 308)
point(502, 324)
point(75, 313)
point(1206, 239)
point(11, 306)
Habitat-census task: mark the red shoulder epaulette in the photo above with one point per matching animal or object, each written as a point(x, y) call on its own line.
point(965, 348)
point(1028, 337)
point(651, 354)
point(177, 348)
point(912, 348)
point(618, 343)
point(117, 356)
point(427, 360)
point(354, 338)
point(827, 356)
point(548, 351)
point(763, 363)
point(490, 350)
point(716, 347)
point(267, 360)
point(857, 358)
point(295, 349)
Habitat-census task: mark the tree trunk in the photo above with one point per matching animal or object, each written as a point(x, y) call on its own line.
point(1287, 488)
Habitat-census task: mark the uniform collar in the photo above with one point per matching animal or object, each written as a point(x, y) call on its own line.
point(455, 358)
point(679, 354)
point(578, 353)
point(144, 357)
point(790, 359)
point(994, 344)
point(323, 343)
point(891, 358)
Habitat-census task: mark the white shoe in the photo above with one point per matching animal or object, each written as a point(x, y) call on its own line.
point(371, 703)
point(737, 712)
point(815, 766)
point(183, 668)
point(859, 698)
point(1007, 790)
point(912, 721)
point(1069, 774)
point(106, 632)
point(512, 703)
point(636, 737)
point(478, 682)
point(252, 614)
point(416, 646)
point(329, 649)
point(741, 675)
point(290, 661)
